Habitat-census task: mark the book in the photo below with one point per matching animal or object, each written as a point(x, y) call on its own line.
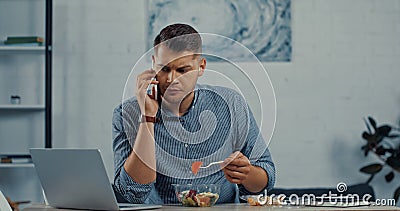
point(23, 39)
point(24, 44)
point(15, 159)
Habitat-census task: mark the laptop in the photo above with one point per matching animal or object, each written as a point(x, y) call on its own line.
point(77, 179)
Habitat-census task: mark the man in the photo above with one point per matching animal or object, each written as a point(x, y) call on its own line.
point(157, 137)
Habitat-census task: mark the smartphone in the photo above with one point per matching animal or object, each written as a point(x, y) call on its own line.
point(152, 90)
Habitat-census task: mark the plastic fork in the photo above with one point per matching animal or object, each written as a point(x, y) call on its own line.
point(196, 166)
point(210, 164)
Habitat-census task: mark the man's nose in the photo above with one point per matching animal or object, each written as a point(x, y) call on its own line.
point(172, 76)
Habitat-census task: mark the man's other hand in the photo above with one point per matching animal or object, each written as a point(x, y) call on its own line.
point(237, 168)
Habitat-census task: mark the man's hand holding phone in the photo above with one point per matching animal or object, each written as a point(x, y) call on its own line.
point(152, 90)
point(147, 92)
point(141, 164)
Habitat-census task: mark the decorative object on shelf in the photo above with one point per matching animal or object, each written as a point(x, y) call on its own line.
point(385, 150)
point(22, 40)
point(15, 100)
point(15, 159)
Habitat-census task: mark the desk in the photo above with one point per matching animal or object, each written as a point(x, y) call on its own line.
point(233, 207)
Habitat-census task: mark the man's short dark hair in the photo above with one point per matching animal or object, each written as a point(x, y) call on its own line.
point(179, 37)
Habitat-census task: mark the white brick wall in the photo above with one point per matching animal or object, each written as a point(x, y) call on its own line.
point(345, 66)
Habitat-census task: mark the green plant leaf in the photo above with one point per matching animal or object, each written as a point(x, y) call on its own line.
point(370, 178)
point(380, 150)
point(384, 130)
point(372, 121)
point(366, 124)
point(396, 194)
point(389, 177)
point(372, 168)
point(366, 150)
point(393, 161)
point(393, 136)
point(366, 136)
point(378, 139)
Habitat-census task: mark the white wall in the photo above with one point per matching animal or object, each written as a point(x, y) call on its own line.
point(95, 46)
point(345, 66)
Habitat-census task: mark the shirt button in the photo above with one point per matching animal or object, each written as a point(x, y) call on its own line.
point(186, 145)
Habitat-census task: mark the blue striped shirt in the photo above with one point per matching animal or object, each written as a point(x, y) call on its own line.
point(218, 123)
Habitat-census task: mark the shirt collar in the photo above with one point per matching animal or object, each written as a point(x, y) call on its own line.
point(167, 113)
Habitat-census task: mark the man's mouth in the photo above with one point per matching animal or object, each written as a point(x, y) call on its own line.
point(172, 91)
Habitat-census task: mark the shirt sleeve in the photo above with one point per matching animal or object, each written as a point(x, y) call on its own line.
point(251, 143)
point(124, 133)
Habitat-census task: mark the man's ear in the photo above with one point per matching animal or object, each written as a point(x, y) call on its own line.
point(202, 66)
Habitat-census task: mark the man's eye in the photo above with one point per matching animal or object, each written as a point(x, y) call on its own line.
point(182, 70)
point(165, 69)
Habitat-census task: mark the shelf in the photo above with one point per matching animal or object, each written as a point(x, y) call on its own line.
point(6, 49)
point(21, 107)
point(16, 165)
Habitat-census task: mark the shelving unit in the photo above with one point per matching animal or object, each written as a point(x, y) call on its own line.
point(20, 72)
point(23, 107)
point(7, 49)
point(25, 70)
point(16, 165)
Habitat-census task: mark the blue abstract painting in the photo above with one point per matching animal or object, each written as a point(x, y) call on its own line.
point(263, 26)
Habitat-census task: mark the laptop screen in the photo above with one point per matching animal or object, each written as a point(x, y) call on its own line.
point(74, 178)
